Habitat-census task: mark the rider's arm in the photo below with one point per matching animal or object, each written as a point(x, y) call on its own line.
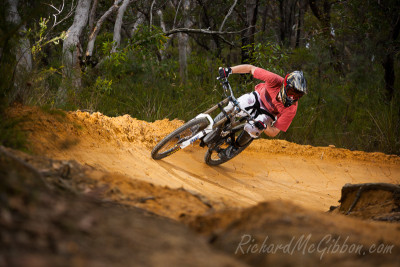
point(271, 131)
point(245, 68)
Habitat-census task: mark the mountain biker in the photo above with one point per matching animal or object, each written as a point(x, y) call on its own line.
point(273, 104)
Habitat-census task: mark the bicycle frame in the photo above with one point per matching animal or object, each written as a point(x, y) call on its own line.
point(200, 134)
point(231, 98)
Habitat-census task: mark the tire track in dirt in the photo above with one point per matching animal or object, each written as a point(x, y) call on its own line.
point(172, 169)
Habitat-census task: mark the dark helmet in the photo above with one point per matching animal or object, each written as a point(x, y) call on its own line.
point(293, 88)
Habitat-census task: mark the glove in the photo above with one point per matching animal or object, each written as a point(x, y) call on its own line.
point(224, 72)
point(260, 125)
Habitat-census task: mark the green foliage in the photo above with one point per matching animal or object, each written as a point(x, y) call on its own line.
point(270, 56)
point(40, 37)
point(103, 86)
point(57, 112)
point(348, 112)
point(148, 39)
point(39, 85)
point(115, 59)
point(346, 105)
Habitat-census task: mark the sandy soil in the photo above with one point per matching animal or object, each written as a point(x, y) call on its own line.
point(274, 194)
point(268, 170)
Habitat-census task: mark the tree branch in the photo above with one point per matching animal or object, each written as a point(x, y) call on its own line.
point(92, 15)
point(118, 25)
point(93, 35)
point(176, 13)
point(227, 15)
point(151, 13)
point(59, 11)
point(202, 31)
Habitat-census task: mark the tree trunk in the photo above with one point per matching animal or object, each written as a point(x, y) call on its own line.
point(162, 22)
point(302, 4)
point(388, 66)
point(71, 50)
point(118, 26)
point(264, 19)
point(215, 45)
point(182, 46)
point(93, 35)
point(388, 62)
point(139, 21)
point(287, 11)
point(248, 36)
point(164, 28)
point(151, 14)
point(322, 11)
point(92, 16)
point(183, 43)
point(22, 53)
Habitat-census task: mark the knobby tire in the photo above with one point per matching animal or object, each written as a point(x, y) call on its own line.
point(208, 157)
point(175, 138)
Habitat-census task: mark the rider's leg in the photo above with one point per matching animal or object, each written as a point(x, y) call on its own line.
point(244, 101)
point(249, 133)
point(243, 139)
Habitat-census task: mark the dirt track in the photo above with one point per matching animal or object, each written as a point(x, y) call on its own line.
point(268, 170)
point(109, 203)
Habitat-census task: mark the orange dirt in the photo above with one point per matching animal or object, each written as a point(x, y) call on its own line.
point(275, 193)
point(268, 170)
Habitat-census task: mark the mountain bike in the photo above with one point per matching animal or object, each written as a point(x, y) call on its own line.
point(216, 133)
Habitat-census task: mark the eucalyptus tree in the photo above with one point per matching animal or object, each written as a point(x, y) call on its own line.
point(72, 50)
point(22, 51)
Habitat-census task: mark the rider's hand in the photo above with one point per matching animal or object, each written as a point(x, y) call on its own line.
point(260, 125)
point(224, 72)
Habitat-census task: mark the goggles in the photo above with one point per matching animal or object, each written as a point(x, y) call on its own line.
point(293, 93)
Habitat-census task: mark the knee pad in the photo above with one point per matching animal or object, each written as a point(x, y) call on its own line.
point(252, 130)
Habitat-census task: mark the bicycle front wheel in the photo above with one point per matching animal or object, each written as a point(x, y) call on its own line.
point(171, 143)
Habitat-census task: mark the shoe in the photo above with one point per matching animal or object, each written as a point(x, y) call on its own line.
point(228, 153)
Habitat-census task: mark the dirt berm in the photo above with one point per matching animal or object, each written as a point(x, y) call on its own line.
point(90, 195)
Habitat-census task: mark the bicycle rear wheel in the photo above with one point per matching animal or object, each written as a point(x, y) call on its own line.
point(212, 157)
point(171, 143)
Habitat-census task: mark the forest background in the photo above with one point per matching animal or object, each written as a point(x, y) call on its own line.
point(159, 59)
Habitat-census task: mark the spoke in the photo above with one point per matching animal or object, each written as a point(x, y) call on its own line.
point(174, 143)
